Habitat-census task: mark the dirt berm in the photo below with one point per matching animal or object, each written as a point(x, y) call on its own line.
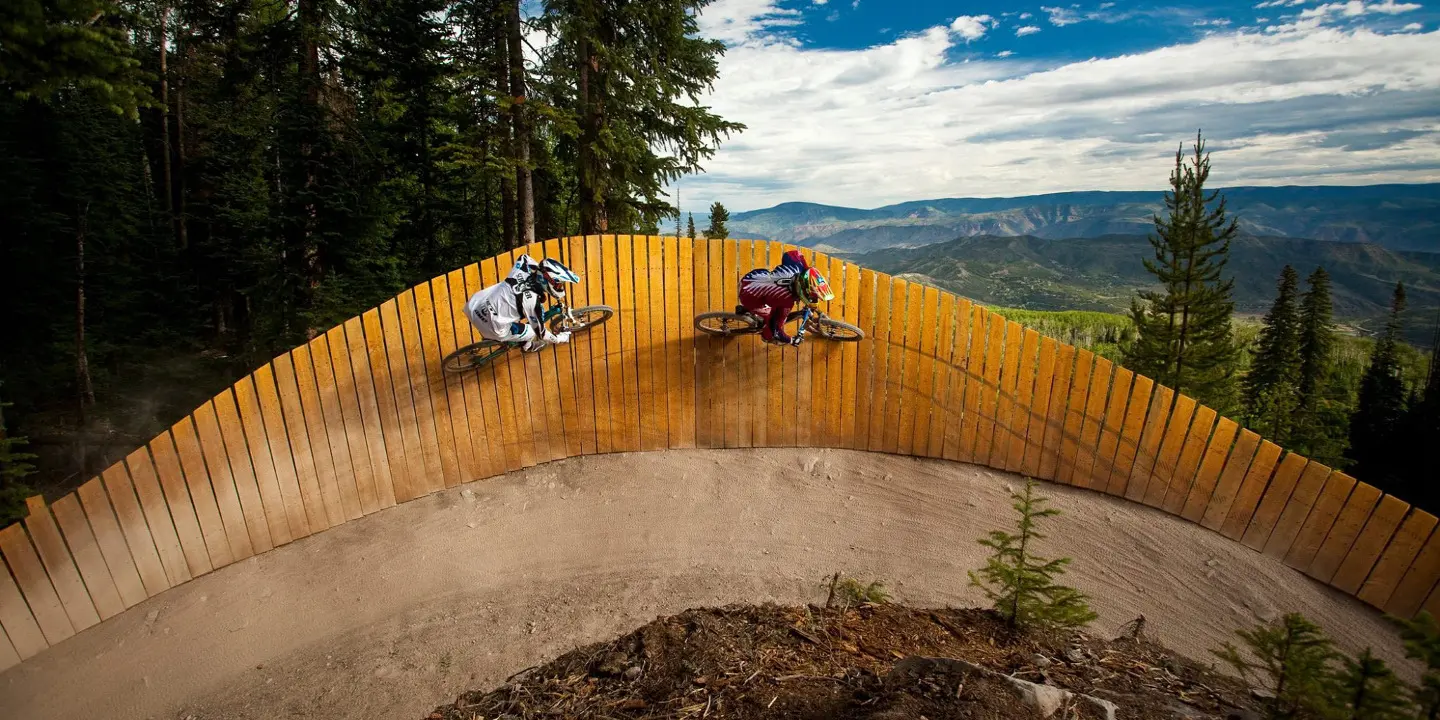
point(390, 615)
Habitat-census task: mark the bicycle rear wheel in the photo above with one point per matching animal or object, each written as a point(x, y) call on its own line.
point(724, 324)
point(581, 319)
point(473, 356)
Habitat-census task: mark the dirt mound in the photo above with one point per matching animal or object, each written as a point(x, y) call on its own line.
point(865, 663)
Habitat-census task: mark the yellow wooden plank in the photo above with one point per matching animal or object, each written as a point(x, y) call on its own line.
point(834, 353)
point(332, 422)
point(895, 391)
point(1210, 469)
point(111, 539)
point(668, 308)
point(1272, 503)
point(284, 455)
point(1039, 408)
point(1168, 462)
point(1317, 524)
point(448, 390)
point(1096, 397)
point(780, 421)
point(477, 386)
point(1055, 415)
point(508, 384)
point(1247, 497)
point(292, 410)
point(661, 349)
point(1147, 452)
point(1352, 519)
point(1396, 558)
point(986, 434)
point(17, 621)
point(432, 378)
point(346, 378)
point(91, 563)
point(60, 566)
point(1417, 581)
point(915, 330)
point(625, 417)
point(197, 480)
point(1228, 486)
point(1110, 430)
point(649, 401)
point(177, 500)
point(808, 381)
point(864, 358)
point(242, 471)
point(705, 346)
point(849, 361)
point(688, 359)
point(116, 481)
point(1005, 397)
point(728, 404)
point(35, 584)
point(884, 323)
point(757, 357)
point(1297, 509)
point(955, 398)
point(157, 516)
point(545, 388)
point(1024, 398)
point(583, 382)
point(600, 259)
point(322, 450)
point(974, 386)
point(938, 399)
point(749, 390)
point(534, 386)
point(1128, 443)
point(1191, 455)
point(438, 469)
point(253, 435)
point(222, 482)
point(1074, 415)
point(559, 382)
point(381, 491)
point(397, 410)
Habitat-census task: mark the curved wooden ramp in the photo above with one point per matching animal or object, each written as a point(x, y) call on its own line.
point(362, 418)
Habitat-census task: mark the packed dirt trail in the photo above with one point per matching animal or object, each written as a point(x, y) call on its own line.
point(390, 615)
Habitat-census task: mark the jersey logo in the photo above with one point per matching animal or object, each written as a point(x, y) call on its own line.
point(485, 311)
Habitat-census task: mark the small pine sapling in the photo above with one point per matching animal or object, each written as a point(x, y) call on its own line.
point(1422, 642)
point(1291, 664)
point(1366, 689)
point(1020, 583)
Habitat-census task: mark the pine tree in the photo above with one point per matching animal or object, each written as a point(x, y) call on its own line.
point(1290, 660)
point(1376, 437)
point(13, 470)
point(1366, 689)
point(719, 216)
point(1272, 385)
point(690, 226)
point(1421, 636)
point(1320, 420)
point(1183, 337)
point(47, 48)
point(1022, 584)
point(1422, 430)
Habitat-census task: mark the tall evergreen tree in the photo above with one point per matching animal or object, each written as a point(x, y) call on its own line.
point(1321, 418)
point(1423, 431)
point(1183, 337)
point(690, 226)
point(719, 219)
point(1376, 441)
point(1272, 385)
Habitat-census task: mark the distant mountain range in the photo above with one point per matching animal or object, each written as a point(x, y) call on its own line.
point(1103, 273)
point(1395, 217)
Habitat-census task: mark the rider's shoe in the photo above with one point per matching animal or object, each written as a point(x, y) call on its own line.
point(535, 345)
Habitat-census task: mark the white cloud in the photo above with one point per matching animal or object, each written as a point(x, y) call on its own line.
point(1060, 17)
point(1106, 5)
point(901, 120)
point(1356, 8)
point(1025, 16)
point(819, 2)
point(1413, 27)
point(1279, 3)
point(972, 27)
point(738, 21)
point(1026, 30)
point(1004, 53)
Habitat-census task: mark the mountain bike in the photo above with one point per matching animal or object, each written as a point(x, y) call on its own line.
point(744, 322)
point(559, 317)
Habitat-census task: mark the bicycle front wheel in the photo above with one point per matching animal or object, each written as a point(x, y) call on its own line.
point(581, 319)
point(473, 356)
point(831, 329)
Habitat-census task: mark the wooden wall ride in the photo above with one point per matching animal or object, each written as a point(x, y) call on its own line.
point(361, 418)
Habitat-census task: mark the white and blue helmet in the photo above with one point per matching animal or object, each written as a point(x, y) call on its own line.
point(549, 274)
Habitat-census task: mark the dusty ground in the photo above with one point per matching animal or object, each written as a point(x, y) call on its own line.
point(393, 614)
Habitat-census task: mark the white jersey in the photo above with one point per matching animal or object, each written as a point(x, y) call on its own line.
point(497, 311)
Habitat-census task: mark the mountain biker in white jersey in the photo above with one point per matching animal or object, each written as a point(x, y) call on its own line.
point(513, 309)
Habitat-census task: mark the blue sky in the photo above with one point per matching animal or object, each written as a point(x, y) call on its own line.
point(865, 103)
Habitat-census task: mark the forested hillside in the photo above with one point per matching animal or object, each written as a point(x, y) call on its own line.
point(191, 187)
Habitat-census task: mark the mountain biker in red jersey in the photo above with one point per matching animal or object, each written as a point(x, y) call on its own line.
point(771, 294)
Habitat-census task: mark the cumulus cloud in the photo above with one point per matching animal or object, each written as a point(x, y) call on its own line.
point(1280, 3)
point(972, 27)
point(1413, 27)
point(1025, 16)
point(737, 21)
point(1026, 30)
point(1060, 17)
point(1004, 53)
point(1356, 8)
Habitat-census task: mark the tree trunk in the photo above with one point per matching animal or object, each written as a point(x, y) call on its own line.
point(524, 176)
point(85, 390)
point(165, 122)
point(181, 231)
point(309, 255)
point(593, 218)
